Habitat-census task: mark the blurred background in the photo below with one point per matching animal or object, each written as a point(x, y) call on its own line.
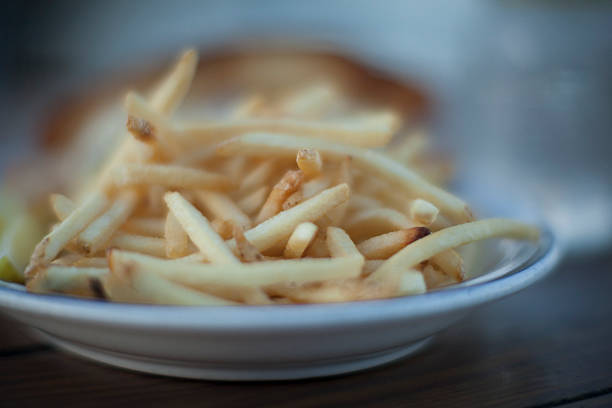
point(522, 90)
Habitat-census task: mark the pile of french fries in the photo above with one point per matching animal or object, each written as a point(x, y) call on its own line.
point(282, 200)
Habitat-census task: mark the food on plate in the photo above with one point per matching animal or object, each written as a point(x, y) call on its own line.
point(296, 195)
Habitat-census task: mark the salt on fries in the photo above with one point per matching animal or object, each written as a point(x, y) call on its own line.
point(279, 201)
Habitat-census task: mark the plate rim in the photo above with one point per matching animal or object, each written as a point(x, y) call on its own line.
point(283, 317)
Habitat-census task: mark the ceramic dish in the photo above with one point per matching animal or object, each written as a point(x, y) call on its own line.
point(278, 342)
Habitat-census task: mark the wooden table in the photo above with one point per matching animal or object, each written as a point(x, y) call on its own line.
point(549, 346)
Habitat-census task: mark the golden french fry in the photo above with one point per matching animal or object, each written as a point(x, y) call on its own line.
point(385, 245)
point(436, 279)
point(450, 263)
point(252, 202)
point(313, 187)
point(309, 161)
point(170, 93)
point(333, 291)
point(452, 237)
point(170, 176)
point(67, 279)
point(360, 202)
point(244, 249)
point(280, 227)
point(62, 206)
point(369, 130)
point(340, 244)
point(258, 176)
point(248, 107)
point(225, 228)
point(165, 99)
point(411, 282)
point(223, 207)
point(199, 230)
point(293, 200)
point(423, 212)
point(97, 234)
point(151, 226)
point(411, 147)
point(98, 262)
point(139, 243)
point(56, 240)
point(287, 185)
point(299, 240)
point(311, 101)
point(338, 214)
point(254, 274)
point(368, 223)
point(137, 285)
point(265, 144)
point(177, 241)
point(370, 265)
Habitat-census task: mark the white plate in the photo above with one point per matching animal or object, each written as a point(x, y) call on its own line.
point(274, 342)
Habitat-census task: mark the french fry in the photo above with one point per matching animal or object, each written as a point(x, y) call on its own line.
point(155, 201)
point(266, 243)
point(223, 207)
point(62, 206)
point(254, 274)
point(338, 214)
point(260, 144)
point(313, 187)
point(177, 241)
point(370, 265)
point(371, 130)
point(452, 237)
point(318, 247)
point(293, 200)
point(368, 223)
point(246, 251)
point(423, 212)
point(340, 244)
point(287, 185)
point(309, 161)
point(385, 245)
point(333, 291)
point(93, 238)
point(251, 203)
point(280, 227)
point(170, 93)
point(148, 126)
point(411, 147)
point(450, 263)
point(170, 176)
point(56, 240)
point(258, 176)
point(436, 279)
point(137, 285)
point(411, 282)
point(165, 99)
point(195, 156)
point(248, 107)
point(199, 230)
point(91, 262)
point(311, 101)
point(139, 243)
point(359, 202)
point(66, 279)
point(151, 226)
point(299, 240)
point(225, 228)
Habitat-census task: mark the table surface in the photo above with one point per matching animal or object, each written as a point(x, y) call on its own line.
point(548, 346)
